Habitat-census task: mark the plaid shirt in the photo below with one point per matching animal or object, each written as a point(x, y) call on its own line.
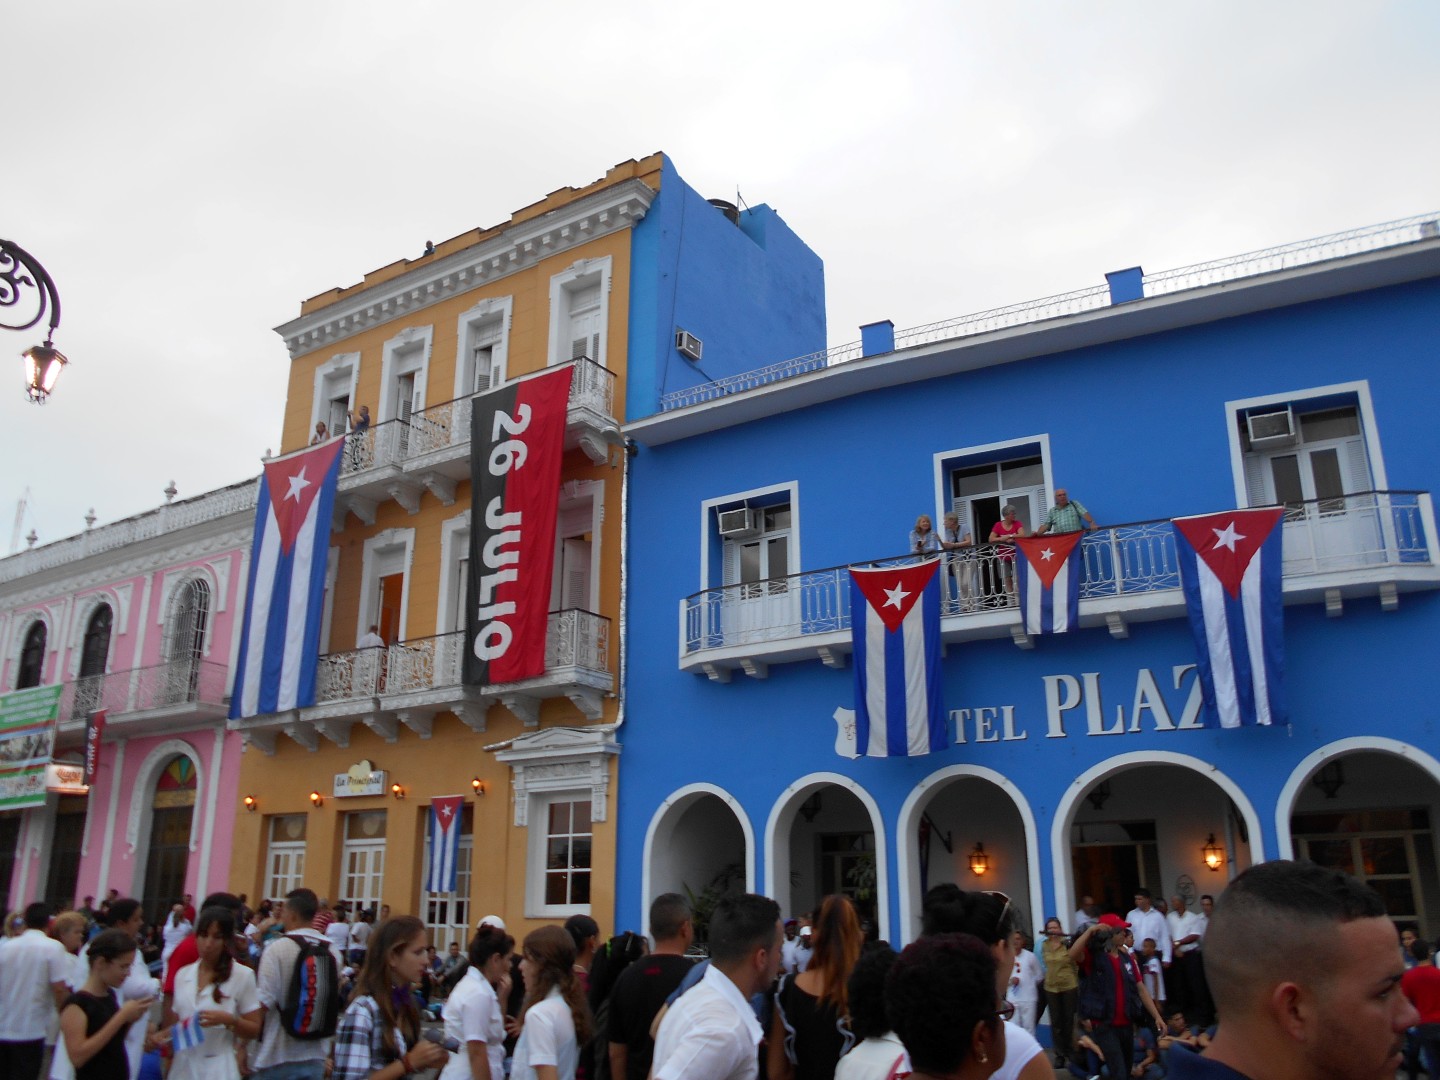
point(1067, 518)
point(359, 1049)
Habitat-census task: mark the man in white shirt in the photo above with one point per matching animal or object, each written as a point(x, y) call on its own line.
point(711, 1031)
point(275, 1055)
point(1023, 988)
point(1185, 955)
point(33, 967)
point(1145, 921)
point(789, 946)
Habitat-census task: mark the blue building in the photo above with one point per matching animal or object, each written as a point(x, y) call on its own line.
point(1080, 764)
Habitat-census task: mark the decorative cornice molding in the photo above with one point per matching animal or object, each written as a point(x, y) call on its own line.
point(514, 248)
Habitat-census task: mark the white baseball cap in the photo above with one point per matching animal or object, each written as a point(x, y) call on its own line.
point(492, 920)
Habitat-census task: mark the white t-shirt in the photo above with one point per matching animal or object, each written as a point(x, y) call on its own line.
point(548, 1038)
point(339, 934)
point(29, 965)
point(472, 1014)
point(214, 1059)
point(359, 934)
point(174, 933)
point(710, 1032)
point(871, 1059)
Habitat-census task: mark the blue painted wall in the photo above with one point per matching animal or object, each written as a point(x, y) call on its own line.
point(754, 293)
point(1138, 431)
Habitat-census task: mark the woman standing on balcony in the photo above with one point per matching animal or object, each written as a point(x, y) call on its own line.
point(923, 540)
point(1005, 530)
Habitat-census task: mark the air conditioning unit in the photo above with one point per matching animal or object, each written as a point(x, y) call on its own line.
point(1271, 429)
point(738, 523)
point(689, 345)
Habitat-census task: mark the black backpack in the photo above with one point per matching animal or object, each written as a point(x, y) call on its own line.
point(312, 1002)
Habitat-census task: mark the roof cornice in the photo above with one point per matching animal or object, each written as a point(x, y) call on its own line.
point(514, 248)
point(1138, 318)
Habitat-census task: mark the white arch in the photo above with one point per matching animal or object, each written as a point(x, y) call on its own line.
point(1064, 810)
point(142, 802)
point(782, 817)
point(676, 803)
point(909, 864)
point(1285, 804)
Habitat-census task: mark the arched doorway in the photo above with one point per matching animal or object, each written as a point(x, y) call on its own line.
point(699, 845)
point(1372, 811)
point(1145, 820)
point(94, 655)
point(186, 641)
point(954, 815)
point(825, 836)
point(168, 858)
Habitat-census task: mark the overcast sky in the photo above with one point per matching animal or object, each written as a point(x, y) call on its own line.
point(190, 172)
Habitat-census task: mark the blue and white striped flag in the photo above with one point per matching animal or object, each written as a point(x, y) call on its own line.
point(1048, 573)
point(443, 843)
point(280, 644)
point(895, 628)
point(187, 1034)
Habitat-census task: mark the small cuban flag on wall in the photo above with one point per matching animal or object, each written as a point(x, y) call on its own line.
point(1047, 571)
point(895, 624)
point(1230, 567)
point(443, 847)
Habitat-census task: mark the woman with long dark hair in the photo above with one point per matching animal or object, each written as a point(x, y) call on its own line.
point(555, 1018)
point(473, 1016)
point(808, 1033)
point(222, 994)
point(379, 1035)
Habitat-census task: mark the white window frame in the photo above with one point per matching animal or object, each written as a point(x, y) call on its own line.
point(373, 552)
point(469, 328)
point(709, 525)
point(538, 848)
point(406, 352)
point(945, 461)
point(454, 547)
point(577, 276)
point(1369, 431)
point(347, 845)
point(277, 884)
point(340, 368)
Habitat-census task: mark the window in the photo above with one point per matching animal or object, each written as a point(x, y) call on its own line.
point(448, 914)
point(761, 562)
point(334, 393)
point(578, 299)
point(483, 344)
point(577, 547)
point(406, 358)
point(32, 657)
point(285, 855)
point(1380, 847)
point(185, 642)
point(385, 588)
point(978, 492)
point(94, 653)
point(1321, 461)
point(567, 840)
point(362, 860)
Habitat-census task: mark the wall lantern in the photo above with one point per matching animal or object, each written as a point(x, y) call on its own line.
point(478, 786)
point(315, 799)
point(1214, 853)
point(397, 791)
point(250, 803)
point(811, 807)
point(1331, 779)
point(19, 272)
point(1099, 795)
point(979, 861)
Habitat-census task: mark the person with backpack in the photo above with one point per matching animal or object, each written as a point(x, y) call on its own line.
point(299, 988)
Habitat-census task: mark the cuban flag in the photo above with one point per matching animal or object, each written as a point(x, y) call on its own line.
point(895, 627)
point(443, 845)
point(280, 643)
point(187, 1034)
point(1048, 576)
point(1230, 567)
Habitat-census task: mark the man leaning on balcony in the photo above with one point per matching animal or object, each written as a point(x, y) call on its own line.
point(1065, 516)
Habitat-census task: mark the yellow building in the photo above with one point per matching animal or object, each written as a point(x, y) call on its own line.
point(413, 343)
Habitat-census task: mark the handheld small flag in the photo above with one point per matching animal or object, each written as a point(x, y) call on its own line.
point(1231, 571)
point(1048, 573)
point(443, 843)
point(187, 1034)
point(895, 627)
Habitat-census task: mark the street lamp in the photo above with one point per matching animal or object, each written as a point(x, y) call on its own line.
point(20, 271)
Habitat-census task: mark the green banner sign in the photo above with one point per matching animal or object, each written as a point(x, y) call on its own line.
point(27, 739)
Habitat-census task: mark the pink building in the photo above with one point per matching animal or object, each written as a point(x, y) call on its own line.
point(140, 618)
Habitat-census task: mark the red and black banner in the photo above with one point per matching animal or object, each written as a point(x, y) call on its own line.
point(517, 438)
point(94, 730)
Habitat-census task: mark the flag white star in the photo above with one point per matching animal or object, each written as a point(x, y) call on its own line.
point(298, 483)
point(1047, 554)
point(894, 597)
point(446, 811)
point(1227, 537)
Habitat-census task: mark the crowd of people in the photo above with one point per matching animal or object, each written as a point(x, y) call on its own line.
point(1299, 965)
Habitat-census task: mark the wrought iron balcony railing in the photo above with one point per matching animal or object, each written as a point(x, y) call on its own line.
point(162, 686)
point(1358, 532)
point(573, 639)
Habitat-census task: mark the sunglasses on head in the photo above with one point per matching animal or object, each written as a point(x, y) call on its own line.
point(1004, 911)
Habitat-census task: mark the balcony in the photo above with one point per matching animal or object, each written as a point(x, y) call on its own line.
point(409, 682)
point(146, 701)
point(1378, 543)
point(430, 450)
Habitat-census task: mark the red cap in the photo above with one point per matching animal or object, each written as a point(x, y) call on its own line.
point(1114, 920)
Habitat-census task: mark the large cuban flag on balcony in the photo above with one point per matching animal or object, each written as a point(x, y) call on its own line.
point(1047, 571)
point(895, 623)
point(280, 643)
point(1230, 567)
